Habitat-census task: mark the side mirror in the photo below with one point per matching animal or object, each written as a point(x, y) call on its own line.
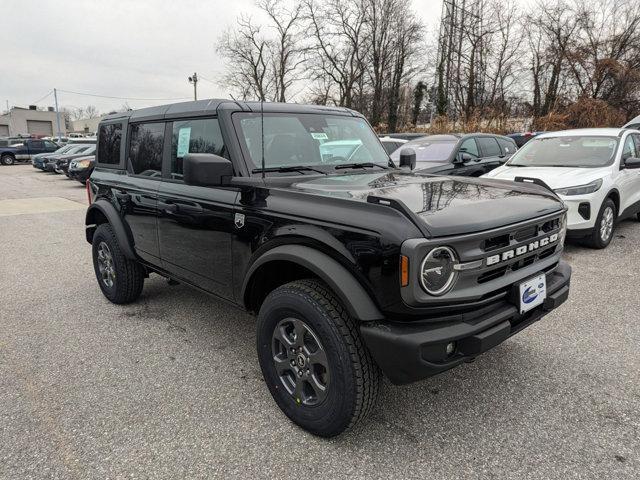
point(631, 163)
point(462, 157)
point(408, 158)
point(206, 170)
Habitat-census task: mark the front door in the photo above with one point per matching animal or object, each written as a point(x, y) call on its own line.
point(472, 167)
point(629, 179)
point(196, 224)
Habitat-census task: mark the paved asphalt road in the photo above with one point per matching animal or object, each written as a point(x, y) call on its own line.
point(169, 387)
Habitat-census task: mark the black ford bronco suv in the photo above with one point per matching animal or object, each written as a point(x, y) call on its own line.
point(353, 265)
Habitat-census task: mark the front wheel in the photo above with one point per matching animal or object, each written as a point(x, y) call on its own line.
point(313, 360)
point(605, 225)
point(7, 160)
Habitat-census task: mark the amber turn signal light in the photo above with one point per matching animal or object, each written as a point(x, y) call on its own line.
point(404, 271)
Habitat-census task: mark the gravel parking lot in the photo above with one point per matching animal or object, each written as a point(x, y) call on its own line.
point(170, 387)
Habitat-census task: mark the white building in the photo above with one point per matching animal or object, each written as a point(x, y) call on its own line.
point(23, 121)
point(86, 125)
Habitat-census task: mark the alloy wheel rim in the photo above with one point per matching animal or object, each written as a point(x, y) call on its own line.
point(105, 265)
point(606, 226)
point(300, 361)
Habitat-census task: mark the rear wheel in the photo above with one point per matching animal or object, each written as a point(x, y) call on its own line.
point(7, 160)
point(605, 225)
point(316, 367)
point(120, 278)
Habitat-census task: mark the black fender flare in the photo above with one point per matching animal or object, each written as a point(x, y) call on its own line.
point(114, 219)
point(352, 294)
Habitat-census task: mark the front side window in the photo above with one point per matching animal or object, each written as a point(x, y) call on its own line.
point(194, 136)
point(629, 149)
point(109, 139)
point(489, 146)
point(145, 149)
point(636, 139)
point(469, 146)
point(37, 144)
point(582, 151)
point(316, 140)
point(50, 144)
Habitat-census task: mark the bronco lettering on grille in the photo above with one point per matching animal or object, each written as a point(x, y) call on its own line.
point(521, 250)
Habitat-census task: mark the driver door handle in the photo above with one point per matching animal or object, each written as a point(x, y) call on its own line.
point(175, 207)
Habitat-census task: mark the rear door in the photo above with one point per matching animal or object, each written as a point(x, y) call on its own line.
point(195, 224)
point(490, 152)
point(137, 192)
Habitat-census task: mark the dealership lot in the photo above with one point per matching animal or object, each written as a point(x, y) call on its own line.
point(169, 387)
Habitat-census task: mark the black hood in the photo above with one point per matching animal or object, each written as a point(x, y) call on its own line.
point(447, 205)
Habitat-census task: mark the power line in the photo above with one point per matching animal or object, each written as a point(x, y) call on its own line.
point(39, 100)
point(200, 77)
point(121, 98)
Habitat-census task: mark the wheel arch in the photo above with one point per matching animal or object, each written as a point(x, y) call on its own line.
point(614, 195)
point(101, 211)
point(285, 263)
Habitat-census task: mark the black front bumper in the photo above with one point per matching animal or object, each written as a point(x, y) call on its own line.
point(412, 351)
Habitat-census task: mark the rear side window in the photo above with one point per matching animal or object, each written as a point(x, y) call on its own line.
point(145, 149)
point(194, 136)
point(109, 139)
point(489, 146)
point(508, 146)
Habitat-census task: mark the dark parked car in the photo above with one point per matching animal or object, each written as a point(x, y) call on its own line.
point(469, 155)
point(40, 159)
point(406, 136)
point(25, 150)
point(392, 144)
point(62, 163)
point(353, 266)
point(524, 137)
point(50, 162)
point(80, 168)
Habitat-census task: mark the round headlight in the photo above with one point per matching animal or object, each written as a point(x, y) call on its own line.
point(437, 273)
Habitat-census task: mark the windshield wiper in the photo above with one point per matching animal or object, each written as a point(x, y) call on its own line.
point(360, 165)
point(292, 168)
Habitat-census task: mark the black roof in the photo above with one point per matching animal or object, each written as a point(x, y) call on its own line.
point(210, 106)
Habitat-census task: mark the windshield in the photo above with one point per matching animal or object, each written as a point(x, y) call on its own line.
point(64, 149)
point(579, 151)
point(311, 140)
point(428, 151)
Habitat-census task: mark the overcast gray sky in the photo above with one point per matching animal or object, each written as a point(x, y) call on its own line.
point(124, 48)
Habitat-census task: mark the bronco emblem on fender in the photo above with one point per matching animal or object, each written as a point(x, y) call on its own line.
point(239, 220)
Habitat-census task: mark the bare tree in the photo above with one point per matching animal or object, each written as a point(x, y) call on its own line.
point(91, 112)
point(407, 34)
point(287, 47)
point(247, 55)
point(340, 49)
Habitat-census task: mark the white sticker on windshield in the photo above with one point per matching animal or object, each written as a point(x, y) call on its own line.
point(319, 135)
point(184, 136)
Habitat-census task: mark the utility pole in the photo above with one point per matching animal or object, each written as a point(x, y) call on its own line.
point(194, 79)
point(9, 113)
point(55, 98)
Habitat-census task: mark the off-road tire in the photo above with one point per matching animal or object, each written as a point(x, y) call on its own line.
point(595, 240)
point(129, 274)
point(354, 377)
point(7, 160)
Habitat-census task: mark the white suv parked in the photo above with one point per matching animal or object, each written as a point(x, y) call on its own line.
point(596, 172)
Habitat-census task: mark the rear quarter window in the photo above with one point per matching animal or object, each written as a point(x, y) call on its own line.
point(109, 144)
point(508, 146)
